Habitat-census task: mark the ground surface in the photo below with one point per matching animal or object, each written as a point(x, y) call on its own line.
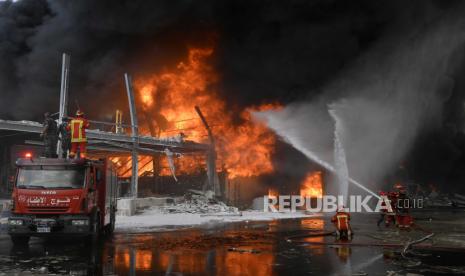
point(273, 247)
point(157, 220)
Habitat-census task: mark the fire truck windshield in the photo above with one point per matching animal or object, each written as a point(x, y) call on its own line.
point(32, 178)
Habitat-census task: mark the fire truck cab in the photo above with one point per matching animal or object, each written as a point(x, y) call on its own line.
point(62, 197)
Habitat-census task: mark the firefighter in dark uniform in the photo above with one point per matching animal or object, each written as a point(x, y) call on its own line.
point(50, 136)
point(65, 138)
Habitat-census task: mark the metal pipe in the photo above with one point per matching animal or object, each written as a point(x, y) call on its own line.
point(119, 121)
point(135, 134)
point(213, 180)
point(63, 111)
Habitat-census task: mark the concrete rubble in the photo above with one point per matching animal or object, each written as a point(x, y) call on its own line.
point(193, 202)
point(196, 203)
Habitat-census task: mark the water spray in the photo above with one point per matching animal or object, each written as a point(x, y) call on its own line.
point(340, 161)
point(314, 157)
point(329, 167)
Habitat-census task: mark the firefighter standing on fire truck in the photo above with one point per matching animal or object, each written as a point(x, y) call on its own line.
point(65, 138)
point(50, 136)
point(341, 221)
point(77, 126)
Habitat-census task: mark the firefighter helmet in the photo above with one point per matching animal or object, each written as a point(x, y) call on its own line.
point(399, 186)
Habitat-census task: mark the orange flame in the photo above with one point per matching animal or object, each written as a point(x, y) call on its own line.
point(168, 99)
point(273, 193)
point(312, 186)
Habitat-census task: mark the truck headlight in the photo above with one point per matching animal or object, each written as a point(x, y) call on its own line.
point(15, 222)
point(80, 222)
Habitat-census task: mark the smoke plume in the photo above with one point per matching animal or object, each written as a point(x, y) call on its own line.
point(353, 54)
point(384, 100)
point(254, 43)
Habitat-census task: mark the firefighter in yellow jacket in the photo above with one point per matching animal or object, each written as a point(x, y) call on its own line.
point(77, 126)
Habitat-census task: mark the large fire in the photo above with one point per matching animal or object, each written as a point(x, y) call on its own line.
point(244, 146)
point(312, 186)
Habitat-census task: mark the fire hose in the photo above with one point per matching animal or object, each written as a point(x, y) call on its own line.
point(294, 239)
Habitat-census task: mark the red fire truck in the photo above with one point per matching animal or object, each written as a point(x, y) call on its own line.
point(62, 197)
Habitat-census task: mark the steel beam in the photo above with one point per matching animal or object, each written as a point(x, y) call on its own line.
point(63, 94)
point(213, 181)
point(134, 134)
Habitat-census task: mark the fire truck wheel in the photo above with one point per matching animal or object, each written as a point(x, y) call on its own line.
point(20, 240)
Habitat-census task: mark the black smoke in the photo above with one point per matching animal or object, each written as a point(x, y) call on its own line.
point(264, 51)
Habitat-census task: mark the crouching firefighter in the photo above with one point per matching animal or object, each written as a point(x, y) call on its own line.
point(77, 126)
point(342, 222)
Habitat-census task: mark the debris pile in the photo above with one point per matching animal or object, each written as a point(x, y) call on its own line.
point(196, 202)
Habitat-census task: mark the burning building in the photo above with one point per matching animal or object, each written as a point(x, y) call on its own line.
point(171, 103)
point(244, 146)
point(167, 101)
